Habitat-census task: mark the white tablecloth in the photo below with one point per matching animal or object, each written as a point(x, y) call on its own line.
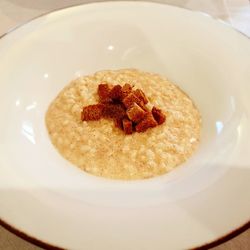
point(14, 12)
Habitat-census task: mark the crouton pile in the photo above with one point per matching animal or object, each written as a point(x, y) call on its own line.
point(127, 107)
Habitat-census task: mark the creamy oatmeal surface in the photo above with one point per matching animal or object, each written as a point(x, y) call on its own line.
point(99, 148)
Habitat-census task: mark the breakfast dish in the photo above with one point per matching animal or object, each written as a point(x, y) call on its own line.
point(104, 148)
point(207, 59)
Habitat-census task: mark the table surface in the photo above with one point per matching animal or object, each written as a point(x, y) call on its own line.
point(14, 12)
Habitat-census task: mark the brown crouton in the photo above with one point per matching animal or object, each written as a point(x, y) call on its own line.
point(116, 93)
point(147, 122)
point(158, 115)
point(127, 126)
point(118, 123)
point(127, 107)
point(92, 112)
point(135, 113)
point(103, 92)
point(140, 94)
point(126, 90)
point(130, 99)
point(116, 111)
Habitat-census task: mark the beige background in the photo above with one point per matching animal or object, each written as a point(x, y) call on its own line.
point(14, 12)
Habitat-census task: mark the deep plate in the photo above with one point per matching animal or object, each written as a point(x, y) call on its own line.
point(46, 197)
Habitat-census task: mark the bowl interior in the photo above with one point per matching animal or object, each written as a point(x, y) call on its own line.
point(55, 49)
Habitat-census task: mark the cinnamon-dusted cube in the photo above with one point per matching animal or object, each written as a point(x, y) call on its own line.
point(147, 122)
point(92, 112)
point(158, 115)
point(126, 90)
point(103, 92)
point(140, 94)
point(118, 123)
point(130, 99)
point(127, 126)
point(135, 113)
point(116, 111)
point(116, 93)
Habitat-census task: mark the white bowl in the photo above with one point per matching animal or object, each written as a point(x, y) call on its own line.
point(49, 199)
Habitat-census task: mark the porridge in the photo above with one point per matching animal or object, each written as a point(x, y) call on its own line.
point(103, 149)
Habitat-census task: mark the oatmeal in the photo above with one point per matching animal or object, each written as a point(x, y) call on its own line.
point(100, 148)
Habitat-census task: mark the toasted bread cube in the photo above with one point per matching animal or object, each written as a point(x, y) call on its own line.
point(116, 93)
point(126, 90)
point(92, 112)
point(135, 113)
point(147, 122)
point(140, 94)
point(130, 99)
point(127, 126)
point(116, 111)
point(103, 93)
point(118, 123)
point(158, 115)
